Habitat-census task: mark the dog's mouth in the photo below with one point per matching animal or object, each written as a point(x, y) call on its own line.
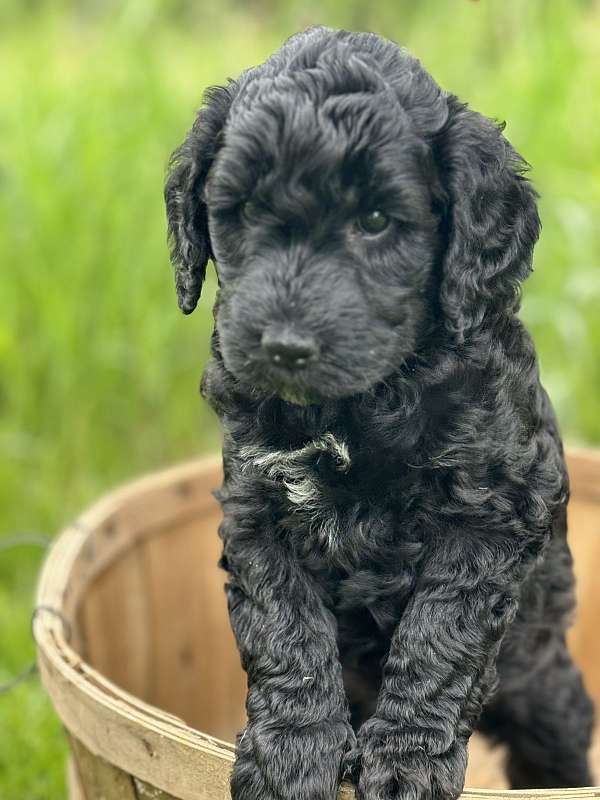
point(299, 389)
point(299, 396)
point(314, 387)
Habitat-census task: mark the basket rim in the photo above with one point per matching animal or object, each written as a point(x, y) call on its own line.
point(90, 704)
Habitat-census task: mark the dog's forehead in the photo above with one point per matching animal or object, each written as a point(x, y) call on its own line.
point(313, 118)
point(330, 120)
point(296, 152)
point(338, 73)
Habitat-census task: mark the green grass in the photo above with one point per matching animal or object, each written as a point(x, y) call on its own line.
point(98, 370)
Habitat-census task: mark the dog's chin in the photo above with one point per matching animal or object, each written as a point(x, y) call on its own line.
point(302, 391)
point(298, 397)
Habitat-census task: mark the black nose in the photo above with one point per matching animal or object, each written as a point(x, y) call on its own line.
point(288, 349)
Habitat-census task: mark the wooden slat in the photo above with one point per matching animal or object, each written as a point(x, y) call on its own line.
point(75, 789)
point(99, 779)
point(584, 538)
point(130, 513)
point(115, 616)
point(143, 791)
point(179, 761)
point(196, 669)
point(584, 471)
point(486, 764)
point(93, 778)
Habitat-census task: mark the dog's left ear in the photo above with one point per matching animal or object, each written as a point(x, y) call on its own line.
point(492, 220)
point(187, 217)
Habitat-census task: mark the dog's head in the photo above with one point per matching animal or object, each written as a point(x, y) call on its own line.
point(351, 208)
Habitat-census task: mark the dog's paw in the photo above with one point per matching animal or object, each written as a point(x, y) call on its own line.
point(276, 763)
point(387, 770)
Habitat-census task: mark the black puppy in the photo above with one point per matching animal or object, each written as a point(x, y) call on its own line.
point(395, 491)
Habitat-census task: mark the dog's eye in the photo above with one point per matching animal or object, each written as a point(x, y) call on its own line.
point(249, 210)
point(373, 222)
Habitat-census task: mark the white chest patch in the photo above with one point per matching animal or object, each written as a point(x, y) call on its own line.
point(296, 471)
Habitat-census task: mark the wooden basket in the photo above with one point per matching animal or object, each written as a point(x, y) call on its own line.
point(135, 650)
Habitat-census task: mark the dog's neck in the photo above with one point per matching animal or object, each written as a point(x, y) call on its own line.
point(403, 413)
point(385, 419)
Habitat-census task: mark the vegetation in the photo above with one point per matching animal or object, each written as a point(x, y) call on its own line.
point(98, 370)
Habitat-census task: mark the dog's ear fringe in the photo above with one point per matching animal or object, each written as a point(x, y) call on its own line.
point(492, 222)
point(187, 218)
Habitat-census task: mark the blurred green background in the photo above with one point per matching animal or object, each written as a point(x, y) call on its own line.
point(98, 369)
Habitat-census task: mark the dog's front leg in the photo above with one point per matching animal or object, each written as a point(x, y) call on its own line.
point(439, 671)
point(298, 720)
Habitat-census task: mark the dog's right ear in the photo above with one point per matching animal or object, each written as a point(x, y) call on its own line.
point(187, 217)
point(492, 221)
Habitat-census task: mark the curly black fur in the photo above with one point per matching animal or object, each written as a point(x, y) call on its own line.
point(395, 511)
